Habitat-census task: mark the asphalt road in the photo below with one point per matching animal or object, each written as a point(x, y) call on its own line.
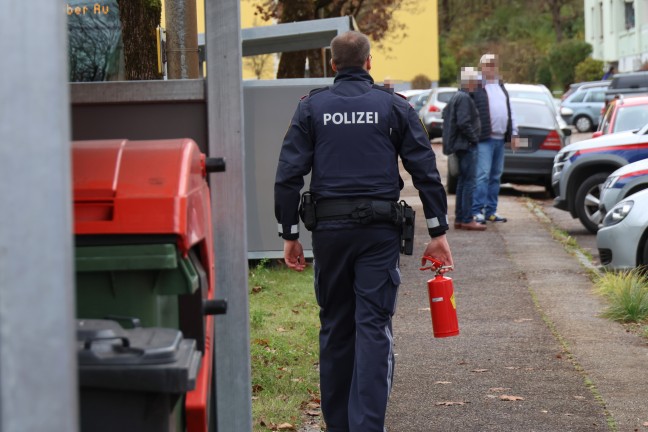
point(533, 353)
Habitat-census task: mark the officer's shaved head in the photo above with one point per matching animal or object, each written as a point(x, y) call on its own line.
point(350, 49)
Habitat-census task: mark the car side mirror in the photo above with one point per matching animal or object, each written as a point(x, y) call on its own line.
point(597, 134)
point(567, 131)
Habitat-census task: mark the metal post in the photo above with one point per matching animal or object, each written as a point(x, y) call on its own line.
point(181, 39)
point(225, 124)
point(38, 374)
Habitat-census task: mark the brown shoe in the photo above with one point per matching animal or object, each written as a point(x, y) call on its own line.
point(458, 225)
point(473, 226)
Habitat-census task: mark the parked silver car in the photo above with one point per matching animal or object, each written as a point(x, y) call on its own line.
point(419, 99)
point(540, 93)
point(581, 169)
point(431, 112)
point(586, 103)
point(623, 182)
point(622, 240)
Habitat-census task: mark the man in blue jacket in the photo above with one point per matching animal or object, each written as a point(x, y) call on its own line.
point(498, 126)
point(461, 128)
point(349, 136)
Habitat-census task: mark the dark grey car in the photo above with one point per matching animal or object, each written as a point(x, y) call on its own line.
point(540, 140)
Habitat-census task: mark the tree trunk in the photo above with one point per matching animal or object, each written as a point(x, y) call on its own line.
point(446, 23)
point(139, 19)
point(555, 14)
point(292, 64)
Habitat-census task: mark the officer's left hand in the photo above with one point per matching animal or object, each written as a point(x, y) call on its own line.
point(439, 249)
point(294, 255)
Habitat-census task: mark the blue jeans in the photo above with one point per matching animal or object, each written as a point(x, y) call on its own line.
point(490, 164)
point(465, 184)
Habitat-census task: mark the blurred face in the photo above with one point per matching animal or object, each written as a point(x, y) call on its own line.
point(490, 70)
point(472, 84)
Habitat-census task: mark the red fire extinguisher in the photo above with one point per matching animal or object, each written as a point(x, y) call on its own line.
point(442, 300)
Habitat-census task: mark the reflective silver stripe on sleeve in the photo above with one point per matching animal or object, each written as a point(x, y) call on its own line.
point(433, 222)
point(294, 229)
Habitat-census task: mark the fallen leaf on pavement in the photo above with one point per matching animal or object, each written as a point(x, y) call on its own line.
point(511, 398)
point(443, 382)
point(645, 423)
point(449, 403)
point(479, 370)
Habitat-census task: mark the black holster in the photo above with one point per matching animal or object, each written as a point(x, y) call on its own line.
point(407, 229)
point(307, 211)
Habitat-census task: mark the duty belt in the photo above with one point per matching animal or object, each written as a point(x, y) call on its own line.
point(363, 210)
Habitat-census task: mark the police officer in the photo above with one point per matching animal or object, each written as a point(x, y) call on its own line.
point(350, 136)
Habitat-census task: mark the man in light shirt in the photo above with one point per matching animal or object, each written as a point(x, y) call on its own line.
point(498, 127)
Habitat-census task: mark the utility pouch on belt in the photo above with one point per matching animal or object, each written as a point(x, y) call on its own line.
point(407, 229)
point(307, 211)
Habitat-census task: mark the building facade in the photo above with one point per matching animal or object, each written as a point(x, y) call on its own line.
point(618, 32)
point(397, 59)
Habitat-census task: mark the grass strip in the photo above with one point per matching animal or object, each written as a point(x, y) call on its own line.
point(284, 329)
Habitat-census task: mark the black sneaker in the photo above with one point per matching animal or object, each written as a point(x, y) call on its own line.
point(495, 218)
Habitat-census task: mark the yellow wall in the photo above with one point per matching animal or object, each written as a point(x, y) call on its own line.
point(417, 53)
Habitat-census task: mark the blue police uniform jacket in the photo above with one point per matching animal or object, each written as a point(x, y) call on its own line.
point(350, 136)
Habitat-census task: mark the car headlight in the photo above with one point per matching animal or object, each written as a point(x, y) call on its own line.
point(566, 111)
point(611, 180)
point(618, 213)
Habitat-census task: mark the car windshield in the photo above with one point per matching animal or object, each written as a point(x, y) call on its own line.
point(445, 96)
point(631, 117)
point(539, 96)
point(533, 114)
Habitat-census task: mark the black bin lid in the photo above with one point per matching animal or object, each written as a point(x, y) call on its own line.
point(139, 359)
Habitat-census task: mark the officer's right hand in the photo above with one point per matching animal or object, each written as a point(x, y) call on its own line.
point(294, 255)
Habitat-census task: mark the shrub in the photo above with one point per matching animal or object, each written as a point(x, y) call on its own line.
point(421, 81)
point(627, 294)
point(588, 70)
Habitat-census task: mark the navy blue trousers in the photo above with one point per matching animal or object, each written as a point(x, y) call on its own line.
point(356, 284)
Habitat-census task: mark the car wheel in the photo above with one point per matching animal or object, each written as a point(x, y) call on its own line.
point(549, 188)
point(453, 173)
point(644, 258)
point(583, 124)
point(587, 201)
